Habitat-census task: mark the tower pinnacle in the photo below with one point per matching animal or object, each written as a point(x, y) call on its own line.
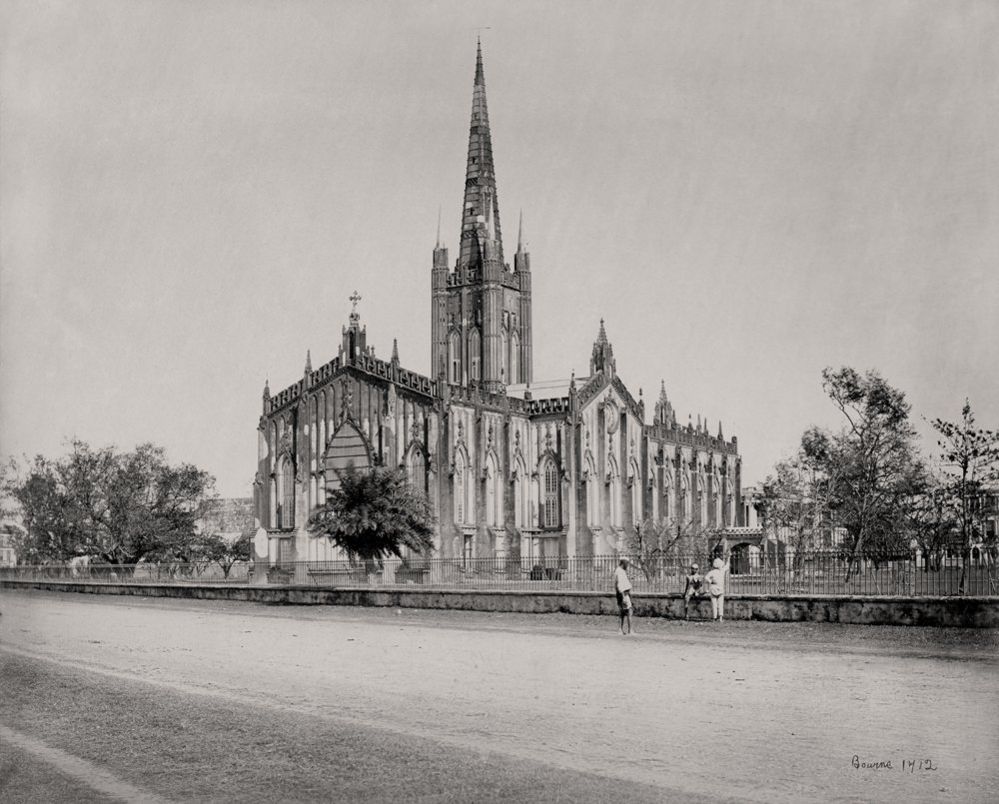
point(480, 218)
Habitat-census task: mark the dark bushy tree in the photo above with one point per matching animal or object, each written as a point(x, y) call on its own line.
point(374, 514)
point(119, 507)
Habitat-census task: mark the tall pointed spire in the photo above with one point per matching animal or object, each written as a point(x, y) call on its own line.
point(480, 214)
point(438, 226)
point(520, 233)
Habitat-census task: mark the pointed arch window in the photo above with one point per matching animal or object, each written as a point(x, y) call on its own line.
point(474, 356)
point(592, 494)
point(454, 359)
point(702, 499)
point(285, 494)
point(460, 486)
point(667, 509)
point(636, 493)
point(614, 494)
point(505, 375)
point(521, 502)
point(685, 512)
point(550, 496)
point(416, 469)
point(514, 358)
point(494, 492)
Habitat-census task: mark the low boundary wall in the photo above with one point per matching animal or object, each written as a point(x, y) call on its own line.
point(966, 612)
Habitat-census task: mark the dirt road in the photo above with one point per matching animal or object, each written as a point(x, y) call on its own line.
point(742, 711)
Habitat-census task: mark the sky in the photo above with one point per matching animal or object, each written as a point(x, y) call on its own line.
point(747, 192)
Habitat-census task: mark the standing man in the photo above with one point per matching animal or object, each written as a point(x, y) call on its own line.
point(622, 588)
point(692, 588)
point(716, 588)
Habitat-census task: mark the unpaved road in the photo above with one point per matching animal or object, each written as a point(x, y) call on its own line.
point(742, 711)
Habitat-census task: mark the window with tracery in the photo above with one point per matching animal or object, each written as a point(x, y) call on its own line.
point(474, 356)
point(550, 513)
point(514, 359)
point(459, 488)
point(286, 494)
point(454, 358)
point(494, 493)
point(636, 494)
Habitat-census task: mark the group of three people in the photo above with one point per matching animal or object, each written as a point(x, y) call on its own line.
point(715, 580)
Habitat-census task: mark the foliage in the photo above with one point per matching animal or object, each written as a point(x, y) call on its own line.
point(793, 503)
point(970, 465)
point(970, 459)
point(869, 472)
point(120, 507)
point(655, 545)
point(374, 514)
point(212, 548)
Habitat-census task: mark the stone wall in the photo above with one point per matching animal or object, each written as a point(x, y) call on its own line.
point(966, 612)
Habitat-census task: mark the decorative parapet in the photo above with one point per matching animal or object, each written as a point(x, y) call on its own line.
point(542, 407)
point(366, 364)
point(323, 373)
point(286, 397)
point(476, 395)
point(691, 438)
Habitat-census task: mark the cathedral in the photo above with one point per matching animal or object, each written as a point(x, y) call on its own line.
point(515, 468)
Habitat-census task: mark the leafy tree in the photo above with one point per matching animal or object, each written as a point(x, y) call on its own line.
point(870, 470)
point(117, 506)
point(214, 548)
point(970, 463)
point(374, 514)
point(793, 503)
point(931, 520)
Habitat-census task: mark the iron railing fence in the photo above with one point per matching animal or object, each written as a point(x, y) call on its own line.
point(814, 573)
point(173, 572)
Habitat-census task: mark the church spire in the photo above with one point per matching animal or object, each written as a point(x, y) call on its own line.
point(480, 217)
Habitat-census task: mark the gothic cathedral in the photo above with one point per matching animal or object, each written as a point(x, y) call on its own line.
point(514, 468)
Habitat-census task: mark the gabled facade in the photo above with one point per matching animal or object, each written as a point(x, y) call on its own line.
point(514, 468)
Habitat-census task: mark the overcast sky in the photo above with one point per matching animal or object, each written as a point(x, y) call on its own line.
point(747, 192)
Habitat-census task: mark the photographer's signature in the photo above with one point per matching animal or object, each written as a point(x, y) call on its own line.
point(898, 764)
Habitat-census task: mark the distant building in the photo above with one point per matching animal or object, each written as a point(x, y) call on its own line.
point(9, 533)
point(514, 466)
point(230, 517)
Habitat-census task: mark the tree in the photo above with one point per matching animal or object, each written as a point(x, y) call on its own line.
point(657, 545)
point(793, 504)
point(120, 507)
point(374, 514)
point(213, 548)
point(870, 471)
point(970, 464)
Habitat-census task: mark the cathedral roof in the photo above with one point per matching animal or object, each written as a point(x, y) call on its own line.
point(545, 389)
